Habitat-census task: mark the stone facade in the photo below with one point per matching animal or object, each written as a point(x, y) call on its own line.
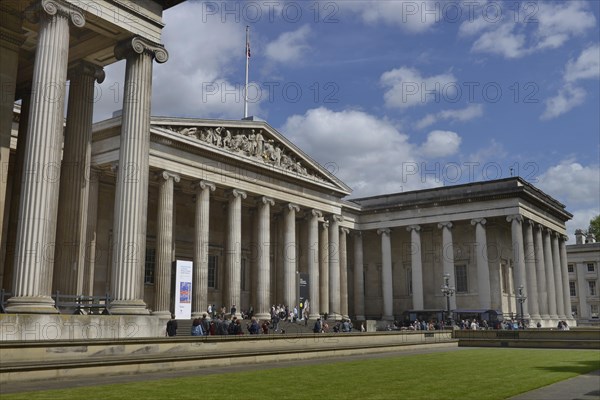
point(247, 206)
point(583, 270)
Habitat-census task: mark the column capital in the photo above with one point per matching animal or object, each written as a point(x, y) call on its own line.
point(141, 45)
point(530, 223)
point(89, 69)
point(316, 213)
point(514, 217)
point(563, 238)
point(202, 184)
point(114, 167)
point(446, 224)
point(357, 233)
point(476, 221)
point(345, 230)
point(266, 200)
point(166, 175)
point(238, 193)
point(415, 228)
point(293, 207)
point(384, 231)
point(336, 218)
point(325, 225)
point(55, 7)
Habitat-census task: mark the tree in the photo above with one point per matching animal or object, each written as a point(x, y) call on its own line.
point(594, 227)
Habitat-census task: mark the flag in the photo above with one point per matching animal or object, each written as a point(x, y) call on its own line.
point(247, 43)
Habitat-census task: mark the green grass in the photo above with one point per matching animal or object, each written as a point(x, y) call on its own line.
point(469, 374)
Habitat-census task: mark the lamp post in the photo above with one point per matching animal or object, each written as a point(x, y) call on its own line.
point(448, 291)
point(521, 299)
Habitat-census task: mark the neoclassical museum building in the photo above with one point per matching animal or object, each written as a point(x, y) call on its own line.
point(108, 208)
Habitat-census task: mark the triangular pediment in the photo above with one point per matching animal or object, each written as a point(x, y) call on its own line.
point(255, 142)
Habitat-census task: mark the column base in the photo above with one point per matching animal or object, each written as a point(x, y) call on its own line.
point(128, 307)
point(200, 315)
point(161, 314)
point(387, 318)
point(263, 316)
point(31, 305)
point(314, 316)
point(360, 318)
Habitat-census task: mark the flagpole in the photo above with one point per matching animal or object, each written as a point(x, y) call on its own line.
point(247, 63)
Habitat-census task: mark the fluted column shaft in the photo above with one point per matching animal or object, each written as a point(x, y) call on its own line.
point(530, 269)
point(560, 303)
point(324, 267)
point(164, 243)
point(359, 278)
point(540, 272)
point(483, 272)
point(131, 197)
point(263, 279)
point(549, 268)
point(334, 266)
point(233, 270)
point(69, 255)
point(289, 255)
point(565, 277)
point(313, 264)
point(386, 275)
point(90, 233)
point(41, 169)
point(201, 241)
point(448, 257)
point(416, 267)
point(343, 273)
point(516, 229)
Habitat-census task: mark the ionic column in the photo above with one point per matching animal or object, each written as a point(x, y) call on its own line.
point(483, 273)
point(324, 267)
point(201, 242)
point(69, 255)
point(549, 268)
point(343, 273)
point(164, 243)
point(263, 279)
point(90, 233)
point(558, 278)
point(313, 263)
point(416, 266)
point(540, 273)
point(448, 257)
point(233, 261)
point(565, 277)
point(530, 269)
point(41, 169)
point(386, 274)
point(131, 197)
point(516, 229)
point(359, 279)
point(334, 266)
point(289, 255)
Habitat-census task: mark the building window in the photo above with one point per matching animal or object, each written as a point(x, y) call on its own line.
point(594, 310)
point(572, 289)
point(460, 274)
point(592, 288)
point(213, 271)
point(409, 280)
point(591, 267)
point(149, 266)
point(243, 272)
point(571, 268)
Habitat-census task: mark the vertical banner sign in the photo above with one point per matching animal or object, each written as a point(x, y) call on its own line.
point(303, 291)
point(183, 289)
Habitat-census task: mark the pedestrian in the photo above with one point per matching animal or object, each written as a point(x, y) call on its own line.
point(172, 326)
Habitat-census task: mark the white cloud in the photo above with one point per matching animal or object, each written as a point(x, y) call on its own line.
point(368, 153)
point(586, 66)
point(466, 114)
point(406, 87)
point(572, 183)
point(568, 97)
point(196, 80)
point(289, 46)
point(412, 16)
point(581, 220)
point(440, 144)
point(536, 27)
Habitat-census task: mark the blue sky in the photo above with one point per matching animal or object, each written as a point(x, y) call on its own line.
point(400, 95)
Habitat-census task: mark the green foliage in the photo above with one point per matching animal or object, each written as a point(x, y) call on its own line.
point(594, 227)
point(460, 374)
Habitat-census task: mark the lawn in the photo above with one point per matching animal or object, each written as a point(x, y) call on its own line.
point(469, 374)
